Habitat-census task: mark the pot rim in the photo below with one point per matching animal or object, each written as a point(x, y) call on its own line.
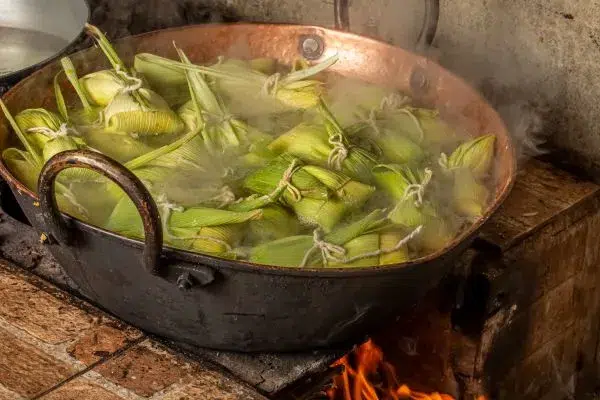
point(220, 263)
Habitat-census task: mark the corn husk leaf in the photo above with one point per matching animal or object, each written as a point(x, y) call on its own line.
point(276, 223)
point(476, 155)
point(23, 166)
point(117, 145)
point(371, 243)
point(470, 197)
point(101, 87)
point(169, 82)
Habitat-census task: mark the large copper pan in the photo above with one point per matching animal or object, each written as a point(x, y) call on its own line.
point(210, 302)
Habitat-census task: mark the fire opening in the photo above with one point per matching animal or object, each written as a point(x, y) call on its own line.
point(367, 376)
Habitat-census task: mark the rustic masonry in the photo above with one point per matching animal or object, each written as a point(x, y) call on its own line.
point(54, 347)
point(526, 324)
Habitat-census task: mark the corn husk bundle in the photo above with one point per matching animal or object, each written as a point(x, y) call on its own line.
point(469, 165)
point(326, 145)
point(44, 134)
point(219, 129)
point(318, 196)
point(367, 241)
point(202, 229)
point(128, 105)
point(407, 186)
point(292, 90)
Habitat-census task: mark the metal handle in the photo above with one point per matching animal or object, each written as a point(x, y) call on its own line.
point(341, 10)
point(114, 171)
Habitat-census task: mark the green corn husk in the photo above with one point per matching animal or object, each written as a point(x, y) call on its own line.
point(399, 149)
point(355, 242)
point(220, 130)
point(23, 165)
point(317, 196)
point(242, 82)
point(88, 115)
point(395, 179)
point(35, 118)
point(150, 116)
point(101, 87)
point(470, 197)
point(119, 146)
point(276, 223)
point(370, 243)
point(210, 231)
point(311, 144)
point(350, 99)
point(169, 82)
point(264, 65)
point(476, 155)
point(202, 229)
point(133, 109)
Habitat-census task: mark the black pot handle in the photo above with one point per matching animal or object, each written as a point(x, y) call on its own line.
point(114, 171)
point(341, 10)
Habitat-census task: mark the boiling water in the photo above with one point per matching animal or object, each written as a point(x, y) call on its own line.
point(21, 48)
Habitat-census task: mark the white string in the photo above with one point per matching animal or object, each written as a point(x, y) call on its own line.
point(393, 101)
point(333, 252)
point(132, 82)
point(418, 189)
point(338, 153)
point(63, 130)
point(329, 251)
point(380, 252)
point(224, 197)
point(286, 183)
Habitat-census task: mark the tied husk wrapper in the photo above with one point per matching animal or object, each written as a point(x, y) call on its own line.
point(356, 240)
point(476, 155)
point(126, 113)
point(395, 179)
point(31, 119)
point(206, 230)
point(317, 196)
point(311, 144)
point(210, 231)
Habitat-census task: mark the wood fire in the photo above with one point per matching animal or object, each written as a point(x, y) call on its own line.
point(367, 376)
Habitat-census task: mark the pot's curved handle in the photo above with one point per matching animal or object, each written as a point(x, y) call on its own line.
point(114, 171)
point(432, 12)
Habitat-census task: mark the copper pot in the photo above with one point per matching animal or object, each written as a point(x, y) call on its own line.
point(206, 301)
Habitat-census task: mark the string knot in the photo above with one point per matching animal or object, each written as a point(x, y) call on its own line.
point(224, 197)
point(63, 130)
point(394, 101)
point(338, 153)
point(329, 251)
point(271, 84)
point(166, 205)
point(132, 83)
point(418, 189)
point(285, 183)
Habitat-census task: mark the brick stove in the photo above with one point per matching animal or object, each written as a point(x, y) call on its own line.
point(517, 319)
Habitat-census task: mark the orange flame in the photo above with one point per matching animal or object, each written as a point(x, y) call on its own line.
point(374, 379)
